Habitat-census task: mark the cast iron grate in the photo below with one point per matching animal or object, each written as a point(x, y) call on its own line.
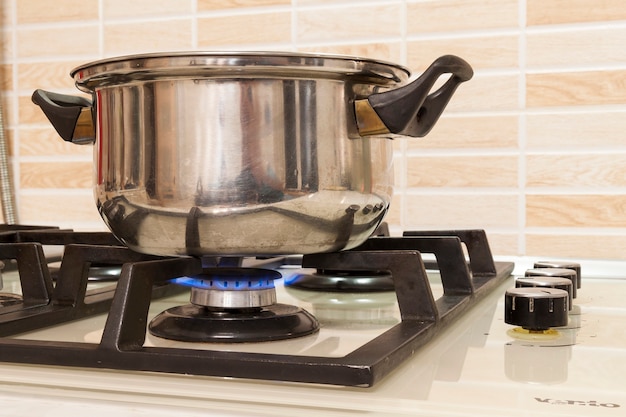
point(41, 302)
point(122, 344)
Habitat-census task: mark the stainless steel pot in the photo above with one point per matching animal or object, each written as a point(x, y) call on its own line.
point(246, 153)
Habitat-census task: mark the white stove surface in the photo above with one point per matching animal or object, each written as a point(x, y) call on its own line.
point(472, 368)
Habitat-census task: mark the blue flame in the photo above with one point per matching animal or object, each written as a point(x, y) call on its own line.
point(229, 281)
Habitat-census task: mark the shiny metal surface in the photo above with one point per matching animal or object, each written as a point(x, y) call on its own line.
point(246, 153)
point(233, 299)
point(125, 69)
point(231, 165)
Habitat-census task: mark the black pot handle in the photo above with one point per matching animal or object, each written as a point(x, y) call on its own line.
point(71, 116)
point(410, 110)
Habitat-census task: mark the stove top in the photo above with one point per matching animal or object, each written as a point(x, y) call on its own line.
point(453, 356)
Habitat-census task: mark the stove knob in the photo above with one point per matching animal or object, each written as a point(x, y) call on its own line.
point(536, 309)
point(570, 274)
point(547, 282)
point(562, 265)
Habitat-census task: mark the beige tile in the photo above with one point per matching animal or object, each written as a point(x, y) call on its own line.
point(604, 128)
point(576, 88)
point(584, 210)
point(485, 92)
point(9, 111)
point(471, 210)
point(46, 141)
point(236, 4)
point(576, 47)
point(57, 42)
point(454, 15)
point(139, 8)
point(462, 171)
point(6, 77)
point(504, 244)
point(6, 14)
point(29, 112)
point(479, 52)
point(214, 32)
point(153, 36)
point(341, 24)
point(46, 75)
point(6, 46)
point(548, 12)
point(42, 11)
point(599, 170)
point(391, 51)
point(56, 174)
point(469, 132)
point(51, 209)
point(576, 246)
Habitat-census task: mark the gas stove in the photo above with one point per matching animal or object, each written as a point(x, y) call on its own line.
point(411, 325)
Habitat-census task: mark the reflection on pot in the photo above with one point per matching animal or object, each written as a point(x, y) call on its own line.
point(301, 225)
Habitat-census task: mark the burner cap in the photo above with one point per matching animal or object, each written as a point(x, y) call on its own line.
point(192, 323)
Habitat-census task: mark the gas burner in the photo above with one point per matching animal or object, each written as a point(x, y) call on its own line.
point(350, 278)
point(233, 305)
point(343, 280)
point(232, 288)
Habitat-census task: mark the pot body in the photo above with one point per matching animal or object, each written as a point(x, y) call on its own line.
point(252, 161)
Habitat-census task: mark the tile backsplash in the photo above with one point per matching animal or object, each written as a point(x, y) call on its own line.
point(533, 149)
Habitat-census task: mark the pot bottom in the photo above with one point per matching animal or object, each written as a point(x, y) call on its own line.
point(298, 226)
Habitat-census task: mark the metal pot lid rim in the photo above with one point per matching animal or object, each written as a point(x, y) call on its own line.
point(188, 63)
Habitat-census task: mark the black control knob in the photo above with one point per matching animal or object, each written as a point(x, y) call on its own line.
point(569, 274)
point(536, 309)
point(562, 265)
point(547, 282)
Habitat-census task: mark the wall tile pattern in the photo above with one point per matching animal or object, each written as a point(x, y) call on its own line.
point(533, 149)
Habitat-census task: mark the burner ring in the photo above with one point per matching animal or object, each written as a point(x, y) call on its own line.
point(233, 299)
point(192, 323)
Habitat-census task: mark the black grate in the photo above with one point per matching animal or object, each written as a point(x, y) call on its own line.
point(122, 345)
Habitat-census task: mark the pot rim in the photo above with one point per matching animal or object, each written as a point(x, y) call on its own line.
point(249, 64)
